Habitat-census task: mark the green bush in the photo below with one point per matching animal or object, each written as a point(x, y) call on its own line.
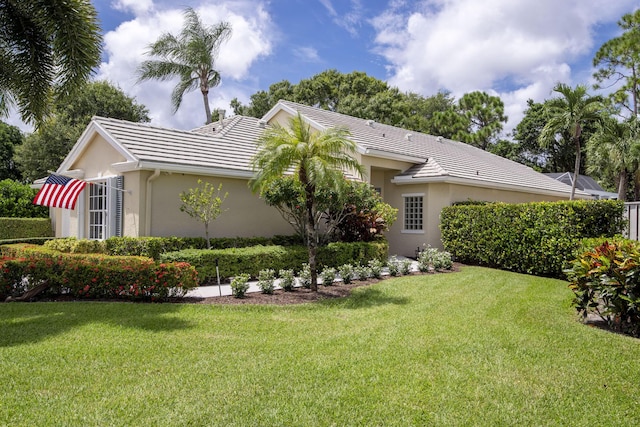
point(71, 245)
point(19, 228)
point(534, 238)
point(33, 240)
point(327, 276)
point(240, 285)
point(251, 260)
point(266, 281)
point(346, 273)
point(287, 279)
point(606, 282)
point(92, 276)
point(305, 276)
point(16, 201)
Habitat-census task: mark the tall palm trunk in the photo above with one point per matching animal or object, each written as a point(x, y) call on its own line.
point(622, 186)
point(576, 172)
point(205, 98)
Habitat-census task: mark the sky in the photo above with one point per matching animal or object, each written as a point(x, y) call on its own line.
point(515, 49)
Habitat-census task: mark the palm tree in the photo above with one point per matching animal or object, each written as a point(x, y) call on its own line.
point(570, 113)
point(316, 158)
point(45, 47)
point(615, 150)
point(190, 56)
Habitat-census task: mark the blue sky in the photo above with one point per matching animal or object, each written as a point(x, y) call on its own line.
point(515, 49)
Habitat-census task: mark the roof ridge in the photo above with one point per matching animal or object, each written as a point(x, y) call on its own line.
point(141, 124)
point(233, 122)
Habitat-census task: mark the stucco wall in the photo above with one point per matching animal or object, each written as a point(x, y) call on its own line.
point(245, 215)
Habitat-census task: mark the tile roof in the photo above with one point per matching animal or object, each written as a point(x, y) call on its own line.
point(442, 157)
point(231, 146)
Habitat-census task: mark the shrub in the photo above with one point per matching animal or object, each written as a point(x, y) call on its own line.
point(287, 279)
point(77, 246)
point(328, 275)
point(346, 273)
point(16, 201)
point(606, 281)
point(93, 276)
point(305, 276)
point(375, 268)
point(19, 228)
point(240, 285)
point(535, 238)
point(433, 259)
point(405, 266)
point(362, 272)
point(394, 266)
point(266, 279)
point(251, 260)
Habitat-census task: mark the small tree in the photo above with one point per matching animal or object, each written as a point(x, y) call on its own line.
point(204, 204)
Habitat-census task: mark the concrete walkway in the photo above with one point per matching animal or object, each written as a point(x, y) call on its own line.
point(225, 288)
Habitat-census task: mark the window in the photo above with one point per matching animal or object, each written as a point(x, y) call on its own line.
point(413, 204)
point(105, 208)
point(98, 210)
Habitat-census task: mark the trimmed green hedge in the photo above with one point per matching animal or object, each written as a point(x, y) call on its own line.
point(18, 228)
point(533, 238)
point(154, 247)
point(235, 261)
point(91, 275)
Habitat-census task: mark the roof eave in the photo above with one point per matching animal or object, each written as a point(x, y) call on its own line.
point(188, 169)
point(486, 184)
point(372, 152)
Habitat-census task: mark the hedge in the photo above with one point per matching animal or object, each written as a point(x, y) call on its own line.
point(17, 228)
point(90, 275)
point(154, 247)
point(534, 238)
point(235, 261)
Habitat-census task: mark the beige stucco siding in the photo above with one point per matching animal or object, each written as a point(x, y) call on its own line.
point(97, 158)
point(245, 214)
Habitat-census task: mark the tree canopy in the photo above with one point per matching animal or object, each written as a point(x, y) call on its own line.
point(355, 94)
point(318, 159)
point(619, 62)
point(190, 56)
point(47, 147)
point(46, 48)
point(10, 139)
point(568, 115)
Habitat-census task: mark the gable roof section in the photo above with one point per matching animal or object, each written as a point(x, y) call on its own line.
point(437, 159)
point(225, 150)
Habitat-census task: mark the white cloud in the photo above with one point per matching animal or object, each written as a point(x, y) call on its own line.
point(349, 20)
point(138, 7)
point(125, 49)
point(307, 54)
point(466, 45)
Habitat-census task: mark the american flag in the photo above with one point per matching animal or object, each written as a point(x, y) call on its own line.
point(59, 192)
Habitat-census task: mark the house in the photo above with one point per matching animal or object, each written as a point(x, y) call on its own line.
point(142, 170)
point(584, 183)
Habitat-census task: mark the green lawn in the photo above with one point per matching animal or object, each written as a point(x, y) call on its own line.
point(479, 347)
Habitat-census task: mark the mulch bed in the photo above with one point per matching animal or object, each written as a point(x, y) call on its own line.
point(300, 295)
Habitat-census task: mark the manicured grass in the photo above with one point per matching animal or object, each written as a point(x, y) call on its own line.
point(479, 347)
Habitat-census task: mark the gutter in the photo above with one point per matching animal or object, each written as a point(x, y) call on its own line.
point(147, 211)
point(408, 180)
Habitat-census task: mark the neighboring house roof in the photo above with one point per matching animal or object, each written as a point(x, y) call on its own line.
point(585, 183)
point(225, 149)
point(437, 159)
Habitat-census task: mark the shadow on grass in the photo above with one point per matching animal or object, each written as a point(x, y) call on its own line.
point(367, 297)
point(25, 323)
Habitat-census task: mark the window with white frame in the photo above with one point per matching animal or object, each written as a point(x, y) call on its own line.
point(105, 208)
point(413, 210)
point(98, 210)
